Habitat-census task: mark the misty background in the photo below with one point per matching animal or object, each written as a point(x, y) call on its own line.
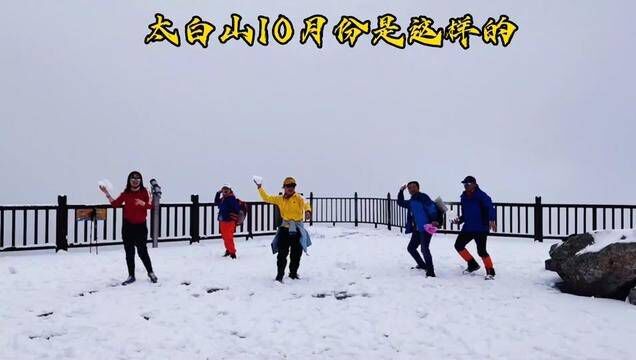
point(84, 99)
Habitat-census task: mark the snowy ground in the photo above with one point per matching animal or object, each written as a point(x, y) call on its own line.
point(208, 307)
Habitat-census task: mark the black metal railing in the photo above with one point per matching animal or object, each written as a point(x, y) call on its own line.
point(55, 226)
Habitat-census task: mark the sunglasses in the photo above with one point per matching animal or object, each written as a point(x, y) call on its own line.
point(289, 186)
point(467, 184)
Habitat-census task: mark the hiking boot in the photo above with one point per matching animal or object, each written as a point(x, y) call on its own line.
point(430, 274)
point(130, 280)
point(152, 277)
point(294, 276)
point(233, 256)
point(227, 253)
point(417, 267)
point(489, 277)
point(472, 267)
point(279, 278)
point(490, 272)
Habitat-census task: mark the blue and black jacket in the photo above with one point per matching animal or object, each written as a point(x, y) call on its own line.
point(228, 205)
point(421, 211)
point(477, 212)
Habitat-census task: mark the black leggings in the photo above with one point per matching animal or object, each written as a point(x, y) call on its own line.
point(135, 236)
point(465, 237)
point(287, 242)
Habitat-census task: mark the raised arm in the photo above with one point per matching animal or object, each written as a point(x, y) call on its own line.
point(267, 197)
point(400, 199)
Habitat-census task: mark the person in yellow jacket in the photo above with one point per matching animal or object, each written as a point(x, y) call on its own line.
point(291, 237)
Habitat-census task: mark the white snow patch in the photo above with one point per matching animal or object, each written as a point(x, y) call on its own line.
point(357, 298)
point(105, 183)
point(605, 238)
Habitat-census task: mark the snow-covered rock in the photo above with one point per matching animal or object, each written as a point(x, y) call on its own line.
point(601, 264)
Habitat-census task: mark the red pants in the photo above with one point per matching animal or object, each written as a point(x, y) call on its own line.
point(227, 233)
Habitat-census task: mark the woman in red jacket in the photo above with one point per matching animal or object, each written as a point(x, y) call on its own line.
point(136, 202)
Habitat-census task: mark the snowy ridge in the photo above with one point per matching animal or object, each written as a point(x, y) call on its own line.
point(358, 298)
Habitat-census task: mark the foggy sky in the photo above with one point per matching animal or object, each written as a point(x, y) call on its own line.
point(83, 99)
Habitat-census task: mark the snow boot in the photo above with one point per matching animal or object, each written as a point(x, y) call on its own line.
point(152, 277)
point(130, 280)
point(490, 274)
point(472, 267)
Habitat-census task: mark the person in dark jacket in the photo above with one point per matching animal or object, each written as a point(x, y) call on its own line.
point(134, 231)
point(421, 211)
point(478, 217)
point(229, 209)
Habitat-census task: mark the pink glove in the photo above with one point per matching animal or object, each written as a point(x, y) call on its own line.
point(430, 229)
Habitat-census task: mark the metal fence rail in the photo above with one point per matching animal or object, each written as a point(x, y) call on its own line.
point(31, 227)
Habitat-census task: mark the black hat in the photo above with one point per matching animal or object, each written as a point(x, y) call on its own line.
point(469, 179)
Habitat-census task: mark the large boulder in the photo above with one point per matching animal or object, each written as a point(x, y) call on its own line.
point(602, 264)
point(632, 296)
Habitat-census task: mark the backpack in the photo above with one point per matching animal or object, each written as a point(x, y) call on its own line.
point(441, 210)
point(243, 211)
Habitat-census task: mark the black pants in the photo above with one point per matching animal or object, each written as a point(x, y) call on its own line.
point(422, 239)
point(135, 236)
point(287, 242)
point(465, 237)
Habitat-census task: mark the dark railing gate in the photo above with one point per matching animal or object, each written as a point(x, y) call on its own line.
point(32, 227)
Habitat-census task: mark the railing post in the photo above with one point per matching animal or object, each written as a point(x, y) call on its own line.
point(538, 219)
point(388, 210)
point(194, 219)
point(249, 221)
point(594, 224)
point(61, 224)
point(311, 204)
point(355, 208)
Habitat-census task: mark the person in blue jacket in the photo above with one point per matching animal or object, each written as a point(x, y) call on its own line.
point(421, 211)
point(478, 216)
point(229, 209)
